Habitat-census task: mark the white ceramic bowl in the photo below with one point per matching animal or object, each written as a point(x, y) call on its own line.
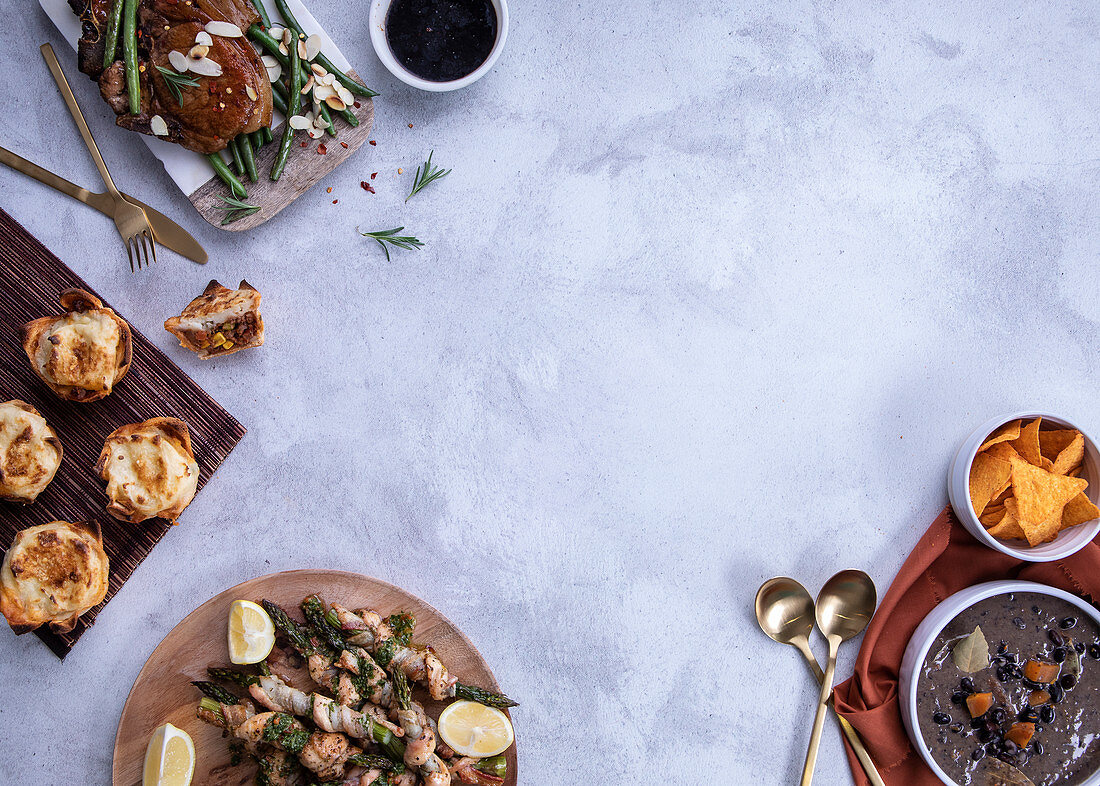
point(958, 491)
point(378, 11)
point(925, 636)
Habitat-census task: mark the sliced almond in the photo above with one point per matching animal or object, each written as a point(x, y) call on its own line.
point(204, 66)
point(302, 49)
point(274, 72)
point(328, 79)
point(287, 36)
point(320, 122)
point(283, 49)
point(334, 102)
point(198, 50)
point(178, 60)
point(204, 38)
point(313, 46)
point(317, 69)
point(269, 61)
point(323, 91)
point(251, 92)
point(307, 86)
point(315, 133)
point(344, 93)
point(223, 29)
point(158, 126)
point(276, 32)
point(300, 123)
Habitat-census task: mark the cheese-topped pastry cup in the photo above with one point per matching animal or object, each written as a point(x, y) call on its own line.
point(52, 574)
point(220, 321)
point(150, 470)
point(83, 354)
point(30, 452)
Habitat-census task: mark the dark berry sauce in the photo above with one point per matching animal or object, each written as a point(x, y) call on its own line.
point(441, 40)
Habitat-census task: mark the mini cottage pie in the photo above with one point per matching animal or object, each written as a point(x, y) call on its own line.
point(83, 354)
point(220, 321)
point(52, 574)
point(30, 452)
point(150, 470)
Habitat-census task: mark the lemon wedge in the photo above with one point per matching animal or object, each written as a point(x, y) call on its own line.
point(473, 729)
point(251, 633)
point(169, 759)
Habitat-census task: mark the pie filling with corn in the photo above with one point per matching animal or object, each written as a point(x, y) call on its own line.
point(150, 470)
point(220, 321)
point(52, 574)
point(83, 354)
point(30, 452)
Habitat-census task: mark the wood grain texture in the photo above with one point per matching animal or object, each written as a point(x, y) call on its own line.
point(304, 168)
point(162, 692)
point(31, 278)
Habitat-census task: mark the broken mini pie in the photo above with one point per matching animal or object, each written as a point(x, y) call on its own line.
point(150, 470)
point(83, 354)
point(220, 321)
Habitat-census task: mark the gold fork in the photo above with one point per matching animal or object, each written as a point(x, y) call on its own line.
point(131, 221)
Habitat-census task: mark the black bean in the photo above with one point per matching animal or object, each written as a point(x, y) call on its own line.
point(1036, 609)
point(1056, 693)
point(1079, 647)
point(1059, 654)
point(1067, 623)
point(978, 754)
point(1046, 714)
point(984, 735)
point(998, 716)
point(1094, 651)
point(1036, 748)
point(1028, 715)
point(1056, 637)
point(967, 684)
point(1068, 681)
point(941, 718)
point(958, 697)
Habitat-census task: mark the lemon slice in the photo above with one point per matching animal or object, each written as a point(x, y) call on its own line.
point(169, 759)
point(251, 632)
point(473, 729)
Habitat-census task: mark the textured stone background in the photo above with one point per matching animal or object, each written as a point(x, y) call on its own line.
point(712, 294)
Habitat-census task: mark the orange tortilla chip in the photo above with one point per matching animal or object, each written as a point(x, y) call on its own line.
point(1027, 445)
point(1071, 456)
point(988, 475)
point(1075, 472)
point(1054, 441)
point(1000, 497)
point(992, 516)
point(1002, 450)
point(1079, 510)
point(1038, 499)
point(1034, 534)
point(1005, 433)
point(1008, 528)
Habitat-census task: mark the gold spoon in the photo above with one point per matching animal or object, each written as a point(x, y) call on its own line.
point(844, 607)
point(785, 611)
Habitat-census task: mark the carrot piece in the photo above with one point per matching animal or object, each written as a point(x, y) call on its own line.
point(979, 704)
point(1021, 733)
point(1042, 673)
point(1038, 697)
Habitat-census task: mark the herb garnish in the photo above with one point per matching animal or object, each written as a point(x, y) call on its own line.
point(402, 625)
point(177, 82)
point(390, 236)
point(430, 175)
point(235, 209)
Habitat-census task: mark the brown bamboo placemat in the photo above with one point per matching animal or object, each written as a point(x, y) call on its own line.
point(31, 278)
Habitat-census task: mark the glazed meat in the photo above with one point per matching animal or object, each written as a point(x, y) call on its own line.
point(209, 115)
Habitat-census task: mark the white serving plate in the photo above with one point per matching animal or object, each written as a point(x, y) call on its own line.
point(188, 169)
point(925, 635)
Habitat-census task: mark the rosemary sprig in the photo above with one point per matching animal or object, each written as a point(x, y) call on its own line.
point(389, 237)
point(176, 82)
point(430, 175)
point(235, 209)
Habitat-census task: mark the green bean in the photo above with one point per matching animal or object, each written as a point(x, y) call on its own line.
point(227, 176)
point(234, 149)
point(323, 61)
point(247, 157)
point(256, 140)
point(262, 12)
point(328, 119)
point(129, 54)
point(114, 22)
point(280, 98)
point(295, 98)
point(264, 39)
point(267, 135)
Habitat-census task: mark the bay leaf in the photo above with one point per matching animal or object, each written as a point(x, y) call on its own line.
point(972, 653)
point(994, 772)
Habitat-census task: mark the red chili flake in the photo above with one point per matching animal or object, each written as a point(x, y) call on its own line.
point(335, 201)
point(410, 125)
point(322, 149)
point(366, 186)
point(344, 145)
point(356, 104)
point(305, 144)
point(373, 175)
point(328, 190)
point(373, 142)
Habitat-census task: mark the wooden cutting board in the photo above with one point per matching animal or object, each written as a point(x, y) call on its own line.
point(163, 693)
point(30, 280)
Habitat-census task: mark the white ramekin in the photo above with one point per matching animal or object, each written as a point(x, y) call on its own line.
point(958, 491)
point(378, 11)
point(925, 636)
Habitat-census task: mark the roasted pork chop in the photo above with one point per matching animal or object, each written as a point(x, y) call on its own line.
point(219, 108)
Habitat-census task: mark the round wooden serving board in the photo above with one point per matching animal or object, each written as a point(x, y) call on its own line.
point(163, 692)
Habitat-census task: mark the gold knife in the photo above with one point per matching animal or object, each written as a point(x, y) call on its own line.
point(168, 232)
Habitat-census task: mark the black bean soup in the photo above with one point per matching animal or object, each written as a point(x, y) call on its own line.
point(441, 40)
point(1035, 707)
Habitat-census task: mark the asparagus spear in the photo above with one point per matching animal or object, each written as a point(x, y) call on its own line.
point(482, 696)
point(494, 765)
point(314, 610)
point(232, 676)
point(296, 634)
point(216, 692)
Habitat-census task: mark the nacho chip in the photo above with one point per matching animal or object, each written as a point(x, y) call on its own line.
point(992, 515)
point(1038, 498)
point(1079, 510)
point(1027, 445)
point(1005, 433)
point(1000, 497)
point(988, 477)
point(1071, 456)
point(1055, 440)
point(1075, 472)
point(1008, 528)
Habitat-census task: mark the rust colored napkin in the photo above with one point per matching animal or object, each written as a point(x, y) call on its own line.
point(946, 560)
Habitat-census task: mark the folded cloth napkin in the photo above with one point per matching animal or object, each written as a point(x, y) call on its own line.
point(946, 560)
